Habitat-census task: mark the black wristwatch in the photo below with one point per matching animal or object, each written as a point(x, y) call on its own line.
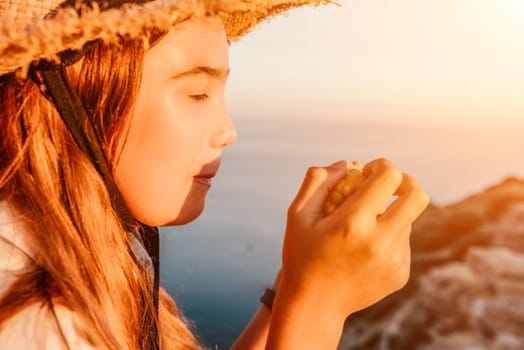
point(268, 297)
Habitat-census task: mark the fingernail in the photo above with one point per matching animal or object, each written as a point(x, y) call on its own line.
point(337, 164)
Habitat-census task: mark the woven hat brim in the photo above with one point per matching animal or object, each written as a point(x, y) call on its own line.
point(69, 30)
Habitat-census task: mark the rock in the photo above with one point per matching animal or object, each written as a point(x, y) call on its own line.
point(466, 289)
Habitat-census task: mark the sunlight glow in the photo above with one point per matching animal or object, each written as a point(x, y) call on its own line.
point(403, 61)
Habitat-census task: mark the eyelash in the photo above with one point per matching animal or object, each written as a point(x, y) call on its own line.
point(199, 98)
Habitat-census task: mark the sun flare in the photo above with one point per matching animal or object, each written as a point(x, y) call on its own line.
point(512, 11)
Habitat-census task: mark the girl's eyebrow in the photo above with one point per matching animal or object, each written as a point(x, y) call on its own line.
point(215, 73)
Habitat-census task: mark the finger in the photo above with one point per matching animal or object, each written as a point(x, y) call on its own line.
point(406, 233)
point(402, 236)
point(407, 264)
point(315, 188)
point(411, 202)
point(357, 163)
point(402, 250)
point(381, 180)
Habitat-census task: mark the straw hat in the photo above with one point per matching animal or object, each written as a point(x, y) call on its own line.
point(39, 29)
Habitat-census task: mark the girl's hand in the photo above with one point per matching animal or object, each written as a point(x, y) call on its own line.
point(360, 253)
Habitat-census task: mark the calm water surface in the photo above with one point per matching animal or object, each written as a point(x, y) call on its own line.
point(217, 266)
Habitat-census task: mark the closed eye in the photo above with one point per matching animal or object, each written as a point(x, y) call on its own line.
point(200, 97)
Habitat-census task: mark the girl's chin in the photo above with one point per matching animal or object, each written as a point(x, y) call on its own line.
point(189, 212)
point(182, 219)
point(165, 213)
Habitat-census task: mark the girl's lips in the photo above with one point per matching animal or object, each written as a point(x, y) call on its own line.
point(203, 180)
point(207, 172)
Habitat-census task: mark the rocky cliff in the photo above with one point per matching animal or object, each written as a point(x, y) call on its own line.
point(466, 289)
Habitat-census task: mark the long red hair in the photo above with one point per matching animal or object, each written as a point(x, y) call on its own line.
point(78, 247)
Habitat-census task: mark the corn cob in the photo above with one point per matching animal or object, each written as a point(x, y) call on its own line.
point(344, 188)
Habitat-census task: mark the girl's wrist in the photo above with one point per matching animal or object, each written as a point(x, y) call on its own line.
point(303, 320)
point(308, 307)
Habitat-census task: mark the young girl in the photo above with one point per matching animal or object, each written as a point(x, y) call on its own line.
point(112, 122)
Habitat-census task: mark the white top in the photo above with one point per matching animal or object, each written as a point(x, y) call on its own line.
point(33, 327)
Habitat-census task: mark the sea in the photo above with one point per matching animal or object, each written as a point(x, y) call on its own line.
point(217, 266)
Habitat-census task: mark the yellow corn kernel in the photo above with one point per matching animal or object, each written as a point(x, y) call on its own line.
point(336, 197)
point(343, 188)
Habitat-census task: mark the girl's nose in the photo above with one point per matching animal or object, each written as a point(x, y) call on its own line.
point(226, 133)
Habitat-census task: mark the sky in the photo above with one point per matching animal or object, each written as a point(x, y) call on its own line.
point(428, 62)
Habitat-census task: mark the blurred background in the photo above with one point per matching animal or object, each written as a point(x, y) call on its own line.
point(435, 86)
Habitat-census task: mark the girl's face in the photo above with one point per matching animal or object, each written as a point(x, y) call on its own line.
point(178, 127)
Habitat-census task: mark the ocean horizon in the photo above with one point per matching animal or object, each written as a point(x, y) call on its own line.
point(217, 266)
